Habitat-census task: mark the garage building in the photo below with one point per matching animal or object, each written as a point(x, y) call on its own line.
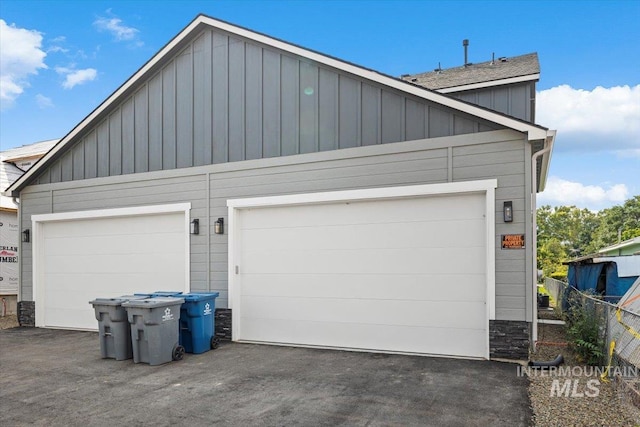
point(330, 205)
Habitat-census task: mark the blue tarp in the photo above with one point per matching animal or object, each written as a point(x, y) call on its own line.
point(617, 286)
point(584, 277)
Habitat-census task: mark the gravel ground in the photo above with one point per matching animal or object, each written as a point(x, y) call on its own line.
point(601, 404)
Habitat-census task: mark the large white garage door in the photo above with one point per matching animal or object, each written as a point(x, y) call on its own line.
point(402, 275)
point(79, 260)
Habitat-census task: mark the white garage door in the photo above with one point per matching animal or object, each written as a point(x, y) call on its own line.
point(79, 260)
point(402, 275)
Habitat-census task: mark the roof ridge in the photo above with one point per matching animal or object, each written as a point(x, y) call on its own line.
point(496, 70)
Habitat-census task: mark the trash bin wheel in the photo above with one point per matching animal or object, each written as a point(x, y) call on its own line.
point(215, 342)
point(178, 352)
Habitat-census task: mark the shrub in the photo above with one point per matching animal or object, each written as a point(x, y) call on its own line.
point(559, 275)
point(583, 329)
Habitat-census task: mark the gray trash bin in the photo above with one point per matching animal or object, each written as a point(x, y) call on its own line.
point(113, 327)
point(155, 329)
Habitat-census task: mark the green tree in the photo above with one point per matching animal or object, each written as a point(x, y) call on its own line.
point(570, 226)
point(551, 253)
point(624, 219)
point(566, 232)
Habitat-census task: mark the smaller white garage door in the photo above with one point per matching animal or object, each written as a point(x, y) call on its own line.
point(78, 260)
point(402, 275)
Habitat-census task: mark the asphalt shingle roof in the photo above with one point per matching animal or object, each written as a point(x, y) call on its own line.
point(501, 68)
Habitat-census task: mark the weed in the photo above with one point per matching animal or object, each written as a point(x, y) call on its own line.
point(583, 330)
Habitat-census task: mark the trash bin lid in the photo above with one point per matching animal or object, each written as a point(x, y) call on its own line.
point(132, 297)
point(166, 294)
point(199, 296)
point(153, 302)
point(108, 301)
point(116, 301)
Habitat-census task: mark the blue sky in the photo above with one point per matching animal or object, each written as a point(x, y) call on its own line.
point(61, 59)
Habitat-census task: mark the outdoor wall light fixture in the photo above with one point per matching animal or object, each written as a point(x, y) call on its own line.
point(195, 226)
point(26, 234)
point(218, 226)
point(508, 211)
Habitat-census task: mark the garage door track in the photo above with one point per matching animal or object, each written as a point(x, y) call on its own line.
point(53, 377)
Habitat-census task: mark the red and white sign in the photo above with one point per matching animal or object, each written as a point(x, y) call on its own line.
point(9, 237)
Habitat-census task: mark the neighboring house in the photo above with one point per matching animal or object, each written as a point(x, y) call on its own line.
point(25, 156)
point(628, 247)
point(357, 210)
point(13, 163)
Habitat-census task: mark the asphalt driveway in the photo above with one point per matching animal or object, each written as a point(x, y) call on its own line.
point(52, 377)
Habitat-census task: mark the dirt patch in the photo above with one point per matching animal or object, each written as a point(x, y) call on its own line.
point(552, 341)
point(9, 321)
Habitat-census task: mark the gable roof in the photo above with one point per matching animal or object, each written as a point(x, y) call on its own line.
point(27, 151)
point(8, 174)
point(485, 74)
point(533, 132)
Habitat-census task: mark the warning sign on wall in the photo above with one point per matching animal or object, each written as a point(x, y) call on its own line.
point(513, 241)
point(8, 253)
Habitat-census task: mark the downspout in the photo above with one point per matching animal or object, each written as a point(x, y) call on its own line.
point(548, 146)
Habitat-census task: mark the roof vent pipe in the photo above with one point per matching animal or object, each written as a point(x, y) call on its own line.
point(465, 43)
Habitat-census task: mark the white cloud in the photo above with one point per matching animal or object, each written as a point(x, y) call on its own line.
point(56, 49)
point(601, 119)
point(75, 77)
point(43, 102)
point(20, 56)
point(562, 192)
point(118, 29)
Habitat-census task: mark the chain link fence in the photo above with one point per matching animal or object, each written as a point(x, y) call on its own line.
point(618, 329)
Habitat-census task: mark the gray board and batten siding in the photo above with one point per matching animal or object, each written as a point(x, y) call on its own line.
point(222, 98)
point(502, 154)
point(490, 84)
point(515, 100)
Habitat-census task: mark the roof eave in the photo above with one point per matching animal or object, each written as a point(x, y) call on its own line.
point(491, 83)
point(624, 244)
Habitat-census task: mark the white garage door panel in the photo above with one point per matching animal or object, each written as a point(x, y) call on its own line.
point(358, 212)
point(110, 244)
point(113, 226)
point(462, 342)
point(376, 261)
point(359, 236)
point(123, 263)
point(84, 259)
point(404, 275)
point(375, 312)
point(434, 287)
